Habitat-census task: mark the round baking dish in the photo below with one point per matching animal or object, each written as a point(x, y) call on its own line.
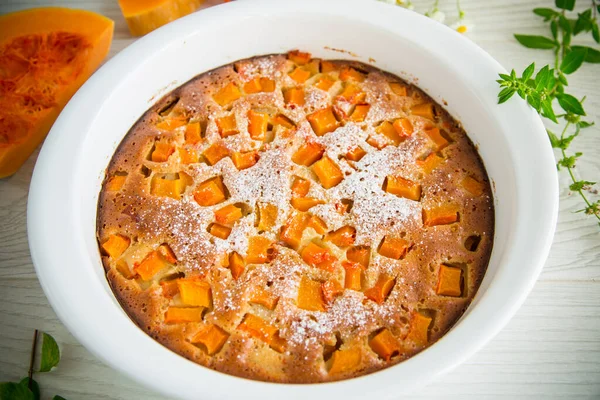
point(67, 178)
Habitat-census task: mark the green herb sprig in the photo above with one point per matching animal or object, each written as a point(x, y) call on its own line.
point(27, 388)
point(550, 84)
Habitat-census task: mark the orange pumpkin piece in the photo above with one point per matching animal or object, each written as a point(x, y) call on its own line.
point(245, 160)
point(163, 187)
point(317, 256)
point(145, 16)
point(180, 315)
point(150, 265)
point(259, 250)
point(257, 124)
point(328, 66)
point(424, 110)
point(343, 361)
point(353, 277)
point(353, 94)
point(282, 120)
point(385, 345)
point(472, 186)
point(300, 187)
point(193, 133)
point(169, 288)
point(349, 73)
point(325, 82)
point(210, 192)
point(267, 84)
point(305, 203)
point(170, 124)
point(360, 112)
point(264, 298)
point(398, 88)
point(331, 289)
point(404, 127)
point(438, 138)
point(387, 129)
point(228, 214)
point(443, 215)
point(323, 121)
point(167, 253)
point(162, 152)
point(195, 292)
point(188, 155)
point(116, 245)
point(236, 265)
point(267, 216)
point(46, 54)
point(430, 162)
point(227, 126)
point(227, 95)
point(253, 86)
point(317, 224)
point(258, 328)
point(300, 75)
point(212, 338)
point(381, 290)
point(393, 247)
point(299, 57)
point(360, 255)
point(402, 187)
point(220, 231)
point(308, 153)
point(449, 281)
point(310, 295)
point(343, 237)
point(294, 96)
point(419, 329)
point(328, 172)
point(115, 183)
point(215, 153)
point(376, 142)
point(356, 153)
point(291, 232)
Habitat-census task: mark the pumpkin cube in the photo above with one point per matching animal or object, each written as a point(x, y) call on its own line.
point(305, 203)
point(402, 187)
point(419, 329)
point(253, 86)
point(263, 298)
point(317, 224)
point(291, 232)
point(215, 153)
point(257, 124)
point(220, 231)
point(278, 343)
point(325, 82)
point(300, 75)
point(245, 160)
point(228, 214)
point(328, 172)
point(294, 96)
point(162, 152)
point(308, 153)
point(180, 315)
point(299, 57)
point(259, 250)
point(227, 126)
point(398, 88)
point(236, 265)
point(267, 216)
point(381, 290)
point(331, 289)
point(167, 253)
point(282, 120)
point(195, 292)
point(449, 281)
point(227, 95)
point(360, 255)
point(116, 245)
point(169, 288)
point(356, 154)
point(310, 295)
point(188, 155)
point(160, 186)
point(472, 186)
point(342, 237)
point(424, 110)
point(393, 247)
point(387, 129)
point(150, 265)
point(170, 124)
point(328, 66)
point(115, 183)
point(376, 142)
point(403, 127)
point(353, 277)
point(193, 133)
point(267, 84)
point(349, 73)
point(353, 94)
point(210, 192)
point(438, 138)
point(300, 187)
point(360, 112)
point(385, 345)
point(443, 215)
point(317, 256)
point(343, 361)
point(258, 328)
point(430, 162)
point(323, 121)
point(212, 338)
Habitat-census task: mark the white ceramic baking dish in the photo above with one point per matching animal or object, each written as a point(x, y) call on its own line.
point(69, 171)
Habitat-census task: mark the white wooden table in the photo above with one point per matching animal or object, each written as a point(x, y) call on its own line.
point(551, 348)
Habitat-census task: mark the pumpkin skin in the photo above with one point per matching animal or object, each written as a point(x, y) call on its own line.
point(46, 54)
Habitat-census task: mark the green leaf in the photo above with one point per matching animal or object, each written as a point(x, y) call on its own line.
point(576, 186)
point(569, 162)
point(547, 110)
point(565, 4)
point(15, 391)
point(563, 79)
point(585, 124)
point(57, 397)
point(554, 29)
point(565, 24)
point(570, 103)
point(50, 353)
point(547, 13)
point(528, 72)
point(534, 100)
point(535, 42)
point(541, 78)
point(554, 140)
point(35, 388)
point(505, 94)
point(573, 61)
point(593, 55)
point(505, 77)
point(584, 22)
point(596, 33)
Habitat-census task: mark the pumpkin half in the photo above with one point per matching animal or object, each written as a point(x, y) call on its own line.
point(46, 54)
point(144, 16)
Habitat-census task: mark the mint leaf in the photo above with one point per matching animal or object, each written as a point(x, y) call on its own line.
point(35, 388)
point(554, 140)
point(15, 391)
point(584, 22)
point(593, 55)
point(535, 42)
point(528, 72)
point(596, 33)
point(50, 353)
point(565, 4)
point(547, 110)
point(542, 77)
point(573, 61)
point(505, 94)
point(547, 13)
point(554, 29)
point(585, 124)
point(570, 103)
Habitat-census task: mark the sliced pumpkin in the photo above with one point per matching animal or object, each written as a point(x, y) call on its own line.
point(144, 16)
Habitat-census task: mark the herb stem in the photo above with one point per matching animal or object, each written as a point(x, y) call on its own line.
point(32, 359)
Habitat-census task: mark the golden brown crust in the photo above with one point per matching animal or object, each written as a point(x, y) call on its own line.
point(352, 318)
